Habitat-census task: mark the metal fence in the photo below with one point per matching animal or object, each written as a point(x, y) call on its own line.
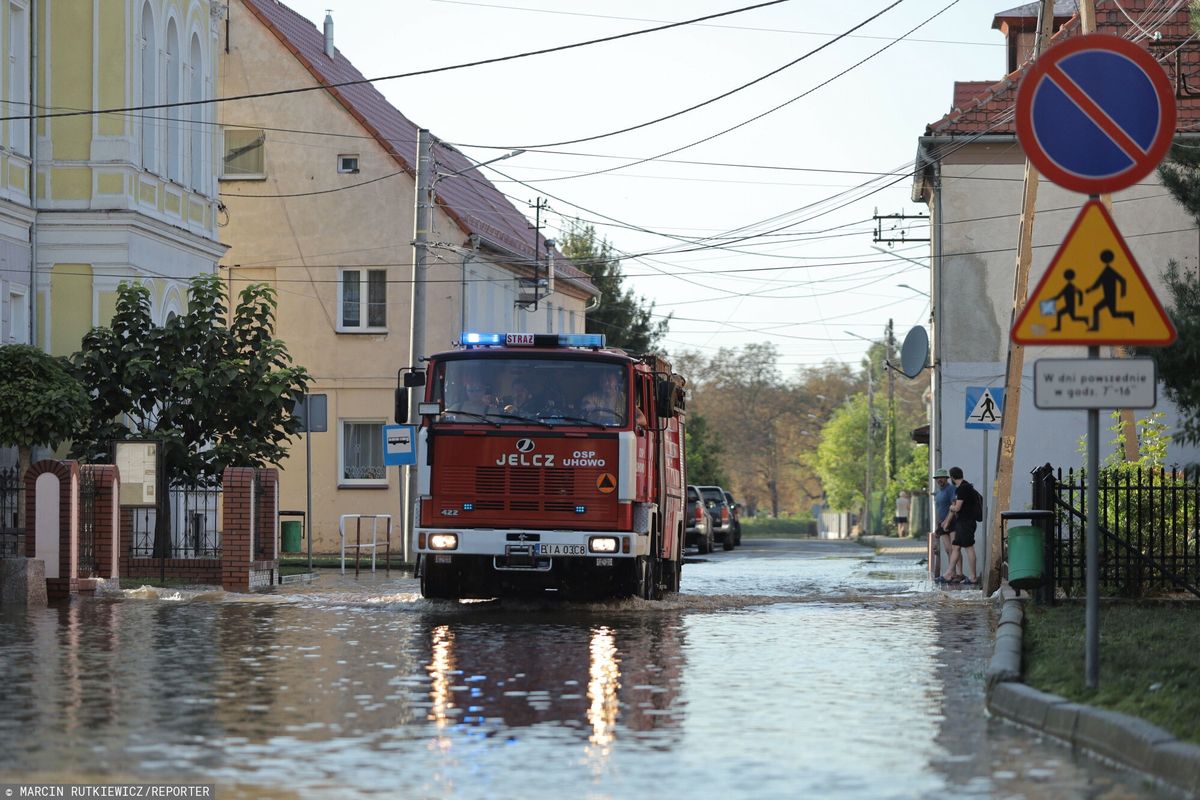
point(193, 530)
point(1149, 524)
point(12, 494)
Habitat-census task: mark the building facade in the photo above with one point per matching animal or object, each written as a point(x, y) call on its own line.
point(971, 172)
point(102, 184)
point(320, 193)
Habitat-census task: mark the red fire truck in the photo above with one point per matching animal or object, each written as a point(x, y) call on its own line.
point(548, 463)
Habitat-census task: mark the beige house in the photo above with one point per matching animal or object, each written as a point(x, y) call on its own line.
point(318, 191)
point(970, 174)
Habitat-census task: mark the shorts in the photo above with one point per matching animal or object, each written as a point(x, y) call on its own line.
point(899, 520)
point(964, 532)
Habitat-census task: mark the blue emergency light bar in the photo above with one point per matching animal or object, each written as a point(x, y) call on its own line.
point(476, 339)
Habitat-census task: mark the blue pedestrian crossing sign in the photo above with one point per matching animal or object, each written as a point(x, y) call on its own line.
point(399, 445)
point(985, 408)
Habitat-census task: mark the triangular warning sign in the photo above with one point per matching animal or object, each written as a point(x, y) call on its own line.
point(606, 483)
point(1093, 292)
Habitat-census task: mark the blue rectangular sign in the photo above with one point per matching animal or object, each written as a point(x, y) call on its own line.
point(985, 408)
point(399, 445)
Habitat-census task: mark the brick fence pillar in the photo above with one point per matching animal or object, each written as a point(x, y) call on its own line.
point(107, 541)
point(52, 523)
point(237, 486)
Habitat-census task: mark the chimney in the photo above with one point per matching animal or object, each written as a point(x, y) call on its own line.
point(329, 33)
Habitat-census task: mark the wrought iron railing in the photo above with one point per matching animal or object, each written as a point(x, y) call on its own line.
point(12, 494)
point(192, 530)
point(87, 524)
point(1149, 524)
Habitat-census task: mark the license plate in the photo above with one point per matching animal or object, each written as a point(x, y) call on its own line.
point(562, 549)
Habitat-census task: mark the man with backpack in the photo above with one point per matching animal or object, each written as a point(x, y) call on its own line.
point(967, 510)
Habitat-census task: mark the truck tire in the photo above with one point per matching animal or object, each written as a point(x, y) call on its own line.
point(727, 540)
point(706, 542)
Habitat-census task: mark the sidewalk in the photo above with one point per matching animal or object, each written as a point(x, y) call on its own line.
point(1113, 736)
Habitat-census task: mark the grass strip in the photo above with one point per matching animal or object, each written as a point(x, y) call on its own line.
point(772, 527)
point(1148, 659)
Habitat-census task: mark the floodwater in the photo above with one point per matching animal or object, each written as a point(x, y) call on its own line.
point(783, 670)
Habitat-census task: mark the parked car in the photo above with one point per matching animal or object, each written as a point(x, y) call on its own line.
point(735, 509)
point(722, 515)
point(699, 527)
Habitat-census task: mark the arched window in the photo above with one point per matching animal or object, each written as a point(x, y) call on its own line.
point(195, 115)
point(149, 89)
point(174, 124)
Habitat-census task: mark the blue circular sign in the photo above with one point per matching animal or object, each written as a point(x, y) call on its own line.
point(1095, 114)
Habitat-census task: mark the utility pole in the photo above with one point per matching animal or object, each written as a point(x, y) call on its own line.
point(866, 530)
point(1002, 489)
point(891, 406)
point(422, 223)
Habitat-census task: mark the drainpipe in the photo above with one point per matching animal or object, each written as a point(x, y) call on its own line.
point(33, 170)
point(462, 296)
point(935, 431)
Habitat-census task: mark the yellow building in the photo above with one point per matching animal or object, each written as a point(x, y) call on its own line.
point(89, 197)
point(320, 191)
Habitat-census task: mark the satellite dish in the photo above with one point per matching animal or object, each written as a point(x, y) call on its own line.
point(914, 353)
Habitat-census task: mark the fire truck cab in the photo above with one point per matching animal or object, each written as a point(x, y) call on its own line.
point(548, 463)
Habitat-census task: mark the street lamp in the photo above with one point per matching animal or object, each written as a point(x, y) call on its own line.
point(913, 288)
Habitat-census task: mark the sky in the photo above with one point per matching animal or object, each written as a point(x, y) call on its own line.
point(762, 233)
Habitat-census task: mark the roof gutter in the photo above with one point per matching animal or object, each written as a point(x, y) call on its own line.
point(929, 154)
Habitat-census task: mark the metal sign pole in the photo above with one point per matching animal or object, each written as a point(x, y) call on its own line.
point(1091, 657)
point(308, 517)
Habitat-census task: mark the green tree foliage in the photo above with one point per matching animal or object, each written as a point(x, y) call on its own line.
point(215, 390)
point(840, 459)
point(625, 318)
point(1179, 364)
point(703, 452)
point(41, 402)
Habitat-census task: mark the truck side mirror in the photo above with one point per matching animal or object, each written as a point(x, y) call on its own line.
point(664, 399)
point(414, 378)
point(400, 413)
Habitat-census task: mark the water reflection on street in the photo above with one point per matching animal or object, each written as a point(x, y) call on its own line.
point(782, 670)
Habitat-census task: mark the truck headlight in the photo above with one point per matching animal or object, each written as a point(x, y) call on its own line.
point(443, 541)
point(603, 544)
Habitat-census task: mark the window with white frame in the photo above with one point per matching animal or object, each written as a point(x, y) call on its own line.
point(195, 81)
point(361, 453)
point(348, 163)
point(18, 77)
point(362, 300)
point(174, 165)
point(148, 90)
point(244, 154)
point(16, 313)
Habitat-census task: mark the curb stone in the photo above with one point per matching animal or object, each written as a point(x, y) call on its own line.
point(1126, 740)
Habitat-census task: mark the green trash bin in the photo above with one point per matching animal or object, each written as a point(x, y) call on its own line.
point(292, 533)
point(1025, 563)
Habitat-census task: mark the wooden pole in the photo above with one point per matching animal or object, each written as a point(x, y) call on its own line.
point(1002, 487)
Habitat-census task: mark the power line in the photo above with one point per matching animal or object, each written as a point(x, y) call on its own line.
point(415, 73)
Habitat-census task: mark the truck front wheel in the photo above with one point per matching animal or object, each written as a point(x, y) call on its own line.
point(438, 581)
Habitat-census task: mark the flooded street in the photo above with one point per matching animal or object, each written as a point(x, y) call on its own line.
point(784, 669)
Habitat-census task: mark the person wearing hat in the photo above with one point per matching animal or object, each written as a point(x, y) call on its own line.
point(943, 498)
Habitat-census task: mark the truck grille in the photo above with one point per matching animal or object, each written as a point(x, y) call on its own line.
point(522, 489)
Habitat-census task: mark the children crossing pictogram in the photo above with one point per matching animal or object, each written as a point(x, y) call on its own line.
point(1093, 292)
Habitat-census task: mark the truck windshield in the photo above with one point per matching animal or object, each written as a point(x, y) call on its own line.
point(511, 391)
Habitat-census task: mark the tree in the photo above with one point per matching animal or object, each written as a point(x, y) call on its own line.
point(1179, 364)
point(840, 461)
point(703, 451)
point(41, 402)
point(212, 395)
point(624, 318)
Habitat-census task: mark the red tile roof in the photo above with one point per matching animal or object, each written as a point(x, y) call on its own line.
point(474, 204)
point(1177, 48)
